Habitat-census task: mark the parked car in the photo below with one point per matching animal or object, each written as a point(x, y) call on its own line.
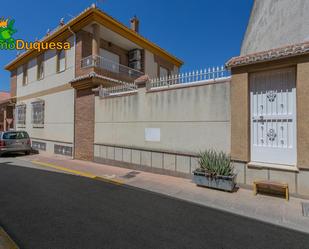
point(14, 141)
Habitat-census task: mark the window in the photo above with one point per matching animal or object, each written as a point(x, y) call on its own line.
point(15, 135)
point(110, 61)
point(38, 113)
point(38, 145)
point(62, 150)
point(40, 62)
point(21, 115)
point(163, 72)
point(61, 61)
point(25, 74)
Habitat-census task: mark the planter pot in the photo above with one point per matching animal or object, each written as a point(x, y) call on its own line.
point(226, 183)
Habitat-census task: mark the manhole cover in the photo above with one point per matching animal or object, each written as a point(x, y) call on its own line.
point(305, 209)
point(131, 174)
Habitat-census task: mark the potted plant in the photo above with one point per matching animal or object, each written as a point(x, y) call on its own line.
point(215, 171)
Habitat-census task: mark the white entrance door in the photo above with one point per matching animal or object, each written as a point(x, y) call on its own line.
point(273, 116)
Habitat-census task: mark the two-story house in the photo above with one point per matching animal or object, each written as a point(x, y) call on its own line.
point(54, 90)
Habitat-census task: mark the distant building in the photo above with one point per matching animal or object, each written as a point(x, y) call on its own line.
point(6, 111)
point(275, 24)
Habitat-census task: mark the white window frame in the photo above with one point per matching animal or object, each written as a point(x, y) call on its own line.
point(38, 114)
point(21, 115)
point(41, 68)
point(61, 61)
point(25, 74)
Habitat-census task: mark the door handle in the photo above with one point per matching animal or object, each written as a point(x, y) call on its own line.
point(258, 118)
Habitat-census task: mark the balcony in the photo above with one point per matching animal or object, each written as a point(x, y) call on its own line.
point(110, 69)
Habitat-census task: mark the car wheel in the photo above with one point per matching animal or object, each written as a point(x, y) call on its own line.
point(27, 153)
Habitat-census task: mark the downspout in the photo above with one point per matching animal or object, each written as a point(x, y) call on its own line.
point(74, 37)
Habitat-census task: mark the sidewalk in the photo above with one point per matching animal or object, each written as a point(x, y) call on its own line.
point(265, 208)
point(5, 241)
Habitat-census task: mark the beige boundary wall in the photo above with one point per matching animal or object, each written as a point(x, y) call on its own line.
point(183, 121)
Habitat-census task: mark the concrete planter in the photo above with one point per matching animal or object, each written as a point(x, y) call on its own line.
point(226, 183)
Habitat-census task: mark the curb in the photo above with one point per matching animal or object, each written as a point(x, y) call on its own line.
point(5, 241)
point(79, 173)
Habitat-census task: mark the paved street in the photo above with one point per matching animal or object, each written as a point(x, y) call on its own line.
point(43, 209)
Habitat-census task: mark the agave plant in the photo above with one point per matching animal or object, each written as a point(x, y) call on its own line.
point(215, 163)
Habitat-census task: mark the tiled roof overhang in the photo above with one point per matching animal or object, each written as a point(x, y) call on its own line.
point(92, 80)
point(269, 55)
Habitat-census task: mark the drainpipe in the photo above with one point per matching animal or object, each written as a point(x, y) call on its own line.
point(74, 36)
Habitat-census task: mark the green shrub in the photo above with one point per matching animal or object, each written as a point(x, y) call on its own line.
point(215, 163)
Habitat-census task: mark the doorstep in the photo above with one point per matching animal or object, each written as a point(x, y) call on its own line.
point(284, 167)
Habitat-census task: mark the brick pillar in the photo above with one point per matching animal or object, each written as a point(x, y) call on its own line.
point(83, 49)
point(96, 39)
point(240, 128)
point(302, 93)
point(84, 124)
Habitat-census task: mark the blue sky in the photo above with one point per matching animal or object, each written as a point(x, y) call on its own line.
point(200, 32)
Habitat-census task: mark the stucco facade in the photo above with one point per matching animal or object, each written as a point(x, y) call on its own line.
point(276, 23)
point(57, 95)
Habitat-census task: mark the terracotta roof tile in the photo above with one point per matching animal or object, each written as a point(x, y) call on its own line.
point(269, 55)
point(4, 96)
point(98, 76)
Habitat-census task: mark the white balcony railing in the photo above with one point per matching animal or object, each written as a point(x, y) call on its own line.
point(124, 88)
point(194, 77)
point(111, 66)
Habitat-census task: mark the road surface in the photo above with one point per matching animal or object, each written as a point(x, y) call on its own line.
point(40, 209)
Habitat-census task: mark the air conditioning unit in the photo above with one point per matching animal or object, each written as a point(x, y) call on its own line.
point(135, 65)
point(135, 55)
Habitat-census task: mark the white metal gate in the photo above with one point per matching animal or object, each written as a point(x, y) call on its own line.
point(273, 116)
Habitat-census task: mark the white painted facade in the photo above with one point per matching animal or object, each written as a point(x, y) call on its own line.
point(276, 23)
point(151, 66)
point(58, 125)
point(51, 77)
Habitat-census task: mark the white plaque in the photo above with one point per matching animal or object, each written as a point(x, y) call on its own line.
point(152, 134)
